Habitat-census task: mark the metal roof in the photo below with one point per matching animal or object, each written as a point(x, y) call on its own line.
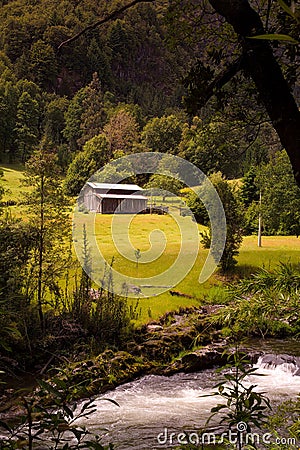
point(133, 197)
point(110, 186)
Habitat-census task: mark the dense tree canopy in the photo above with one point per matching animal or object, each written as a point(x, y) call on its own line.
point(65, 70)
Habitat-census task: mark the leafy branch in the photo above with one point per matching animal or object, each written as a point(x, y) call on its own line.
point(112, 16)
point(278, 36)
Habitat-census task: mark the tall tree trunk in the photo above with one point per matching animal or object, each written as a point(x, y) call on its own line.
point(41, 258)
point(261, 65)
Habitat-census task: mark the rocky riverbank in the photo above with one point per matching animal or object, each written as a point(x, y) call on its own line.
point(179, 342)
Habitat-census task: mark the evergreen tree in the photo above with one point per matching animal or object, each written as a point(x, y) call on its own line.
point(93, 115)
point(8, 108)
point(72, 131)
point(42, 65)
point(27, 125)
point(54, 120)
point(249, 191)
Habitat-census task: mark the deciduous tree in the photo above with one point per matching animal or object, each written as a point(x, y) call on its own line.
point(163, 134)
point(122, 132)
point(48, 215)
point(95, 155)
point(234, 223)
point(280, 197)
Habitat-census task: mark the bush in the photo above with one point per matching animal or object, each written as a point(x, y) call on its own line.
point(196, 206)
point(267, 304)
point(234, 223)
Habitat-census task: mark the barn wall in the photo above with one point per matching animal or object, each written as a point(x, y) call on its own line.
point(109, 205)
point(133, 205)
point(90, 201)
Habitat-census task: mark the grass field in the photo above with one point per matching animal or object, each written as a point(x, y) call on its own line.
point(13, 176)
point(274, 250)
point(164, 251)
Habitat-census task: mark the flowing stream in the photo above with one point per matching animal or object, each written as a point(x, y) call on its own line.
point(153, 407)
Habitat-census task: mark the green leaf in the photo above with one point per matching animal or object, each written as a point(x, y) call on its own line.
point(275, 37)
point(88, 405)
point(49, 388)
point(217, 408)
point(287, 9)
point(110, 400)
point(68, 411)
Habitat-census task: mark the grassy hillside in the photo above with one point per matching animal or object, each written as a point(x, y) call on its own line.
point(12, 181)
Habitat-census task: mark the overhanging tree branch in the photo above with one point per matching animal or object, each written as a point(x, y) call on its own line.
point(224, 77)
point(200, 92)
point(112, 16)
point(261, 64)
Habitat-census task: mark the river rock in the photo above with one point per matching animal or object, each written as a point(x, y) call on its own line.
point(203, 358)
point(289, 362)
point(154, 327)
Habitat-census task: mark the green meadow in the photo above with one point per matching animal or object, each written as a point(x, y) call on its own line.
point(137, 232)
point(13, 183)
point(159, 240)
point(13, 176)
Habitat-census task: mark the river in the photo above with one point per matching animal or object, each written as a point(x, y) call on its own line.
point(153, 407)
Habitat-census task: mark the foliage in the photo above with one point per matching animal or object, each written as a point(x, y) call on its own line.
point(278, 36)
point(285, 277)
point(27, 121)
point(42, 65)
point(196, 206)
point(251, 219)
point(72, 131)
point(243, 404)
point(280, 197)
point(163, 134)
point(54, 119)
point(8, 107)
point(93, 115)
point(286, 416)
point(234, 223)
point(163, 184)
point(48, 216)
point(16, 241)
point(121, 132)
point(265, 304)
point(249, 191)
point(104, 315)
point(50, 420)
point(94, 156)
point(216, 145)
point(249, 198)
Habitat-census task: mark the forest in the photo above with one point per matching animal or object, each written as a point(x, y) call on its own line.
point(85, 83)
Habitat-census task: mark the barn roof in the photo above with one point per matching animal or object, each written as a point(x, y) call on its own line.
point(111, 186)
point(134, 197)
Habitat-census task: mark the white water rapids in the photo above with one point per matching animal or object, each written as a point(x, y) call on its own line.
point(153, 404)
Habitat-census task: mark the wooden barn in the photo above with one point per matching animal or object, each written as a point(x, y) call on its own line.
point(107, 198)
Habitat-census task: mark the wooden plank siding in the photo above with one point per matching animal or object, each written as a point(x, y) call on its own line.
point(108, 199)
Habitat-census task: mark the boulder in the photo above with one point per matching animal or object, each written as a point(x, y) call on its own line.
point(203, 358)
point(289, 363)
